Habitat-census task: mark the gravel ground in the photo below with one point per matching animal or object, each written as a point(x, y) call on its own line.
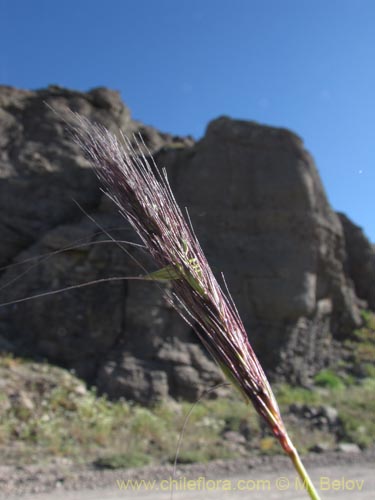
point(63, 476)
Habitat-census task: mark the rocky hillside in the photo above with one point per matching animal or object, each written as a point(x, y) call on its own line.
point(299, 272)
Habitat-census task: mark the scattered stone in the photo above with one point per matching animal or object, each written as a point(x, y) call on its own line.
point(348, 448)
point(22, 400)
point(234, 437)
point(330, 413)
point(80, 390)
point(320, 448)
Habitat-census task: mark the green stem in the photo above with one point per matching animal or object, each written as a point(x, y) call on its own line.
point(290, 449)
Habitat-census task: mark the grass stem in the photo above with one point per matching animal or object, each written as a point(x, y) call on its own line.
point(292, 452)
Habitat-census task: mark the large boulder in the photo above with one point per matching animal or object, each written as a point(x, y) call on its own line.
point(258, 207)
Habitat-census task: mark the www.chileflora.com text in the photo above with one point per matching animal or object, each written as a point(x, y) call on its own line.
point(281, 483)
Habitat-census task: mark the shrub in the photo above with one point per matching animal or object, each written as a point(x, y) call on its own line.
point(329, 379)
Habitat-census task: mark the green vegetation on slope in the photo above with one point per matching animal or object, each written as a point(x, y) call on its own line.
point(47, 412)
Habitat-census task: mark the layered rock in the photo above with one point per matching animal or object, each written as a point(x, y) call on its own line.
point(258, 208)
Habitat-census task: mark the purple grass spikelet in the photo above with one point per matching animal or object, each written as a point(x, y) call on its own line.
point(144, 197)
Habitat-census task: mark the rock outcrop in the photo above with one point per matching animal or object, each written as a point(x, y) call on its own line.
point(258, 206)
point(360, 260)
point(296, 270)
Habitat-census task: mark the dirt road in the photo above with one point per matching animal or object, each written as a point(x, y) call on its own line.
point(344, 481)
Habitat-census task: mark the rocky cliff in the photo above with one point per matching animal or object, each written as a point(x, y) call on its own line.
point(298, 272)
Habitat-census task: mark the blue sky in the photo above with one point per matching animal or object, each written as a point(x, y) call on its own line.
point(308, 65)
